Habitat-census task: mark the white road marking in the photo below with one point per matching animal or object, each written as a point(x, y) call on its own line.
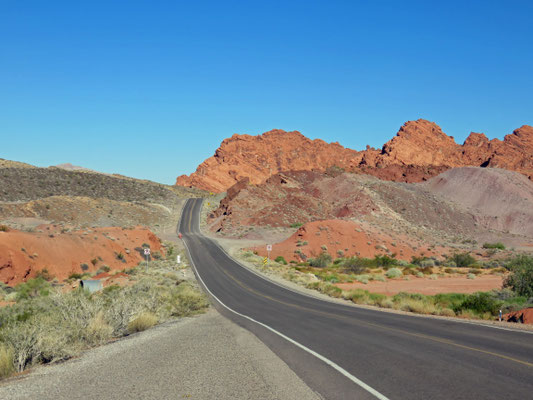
point(312, 352)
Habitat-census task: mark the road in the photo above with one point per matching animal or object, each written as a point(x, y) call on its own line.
point(345, 352)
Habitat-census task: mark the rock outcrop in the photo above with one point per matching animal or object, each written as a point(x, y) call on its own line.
point(419, 151)
point(259, 157)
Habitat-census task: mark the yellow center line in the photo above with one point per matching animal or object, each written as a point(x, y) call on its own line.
point(351, 319)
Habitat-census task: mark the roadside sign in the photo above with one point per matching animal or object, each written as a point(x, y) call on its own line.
point(265, 261)
point(269, 247)
point(146, 252)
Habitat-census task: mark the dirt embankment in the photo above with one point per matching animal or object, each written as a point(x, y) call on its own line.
point(341, 238)
point(62, 252)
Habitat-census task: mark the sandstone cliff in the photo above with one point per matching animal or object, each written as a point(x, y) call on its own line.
point(419, 151)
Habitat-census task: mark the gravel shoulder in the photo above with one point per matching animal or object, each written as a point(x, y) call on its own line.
point(205, 357)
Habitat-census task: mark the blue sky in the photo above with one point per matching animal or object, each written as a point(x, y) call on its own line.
point(149, 89)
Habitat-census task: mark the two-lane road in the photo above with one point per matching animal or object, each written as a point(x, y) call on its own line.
point(345, 352)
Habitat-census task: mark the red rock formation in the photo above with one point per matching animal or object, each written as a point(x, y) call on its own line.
point(420, 150)
point(524, 316)
point(259, 157)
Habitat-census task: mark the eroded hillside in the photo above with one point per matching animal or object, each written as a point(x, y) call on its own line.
point(419, 151)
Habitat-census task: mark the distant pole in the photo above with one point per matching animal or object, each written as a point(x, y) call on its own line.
point(500, 315)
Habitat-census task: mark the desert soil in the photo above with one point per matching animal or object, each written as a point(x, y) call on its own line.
point(429, 286)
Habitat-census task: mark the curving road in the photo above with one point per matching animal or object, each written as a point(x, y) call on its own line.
point(345, 352)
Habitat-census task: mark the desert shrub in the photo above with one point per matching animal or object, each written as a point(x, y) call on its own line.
point(44, 329)
point(32, 288)
point(296, 225)
point(6, 361)
point(379, 278)
point(417, 260)
point(281, 260)
point(331, 278)
point(103, 268)
point(358, 296)
point(394, 273)
point(449, 300)
point(75, 276)
point(428, 262)
point(449, 270)
point(356, 265)
point(331, 290)
point(321, 261)
point(120, 256)
point(481, 302)
point(420, 274)
point(142, 322)
point(425, 270)
point(84, 267)
point(462, 260)
point(408, 271)
point(94, 261)
point(497, 245)
point(157, 255)
point(520, 280)
point(384, 261)
point(470, 276)
point(4, 228)
point(98, 330)
point(45, 275)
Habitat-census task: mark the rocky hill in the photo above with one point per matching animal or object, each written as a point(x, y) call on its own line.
point(30, 195)
point(259, 157)
point(502, 200)
point(419, 151)
point(453, 210)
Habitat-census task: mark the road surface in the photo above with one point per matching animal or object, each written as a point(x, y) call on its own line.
point(345, 352)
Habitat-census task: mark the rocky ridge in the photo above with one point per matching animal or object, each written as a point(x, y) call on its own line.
point(419, 151)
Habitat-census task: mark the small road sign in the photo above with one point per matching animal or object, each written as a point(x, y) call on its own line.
point(146, 252)
point(269, 247)
point(265, 261)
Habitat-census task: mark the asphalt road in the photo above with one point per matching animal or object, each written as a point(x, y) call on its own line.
point(345, 352)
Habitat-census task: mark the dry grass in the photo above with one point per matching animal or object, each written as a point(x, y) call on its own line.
point(6, 361)
point(143, 322)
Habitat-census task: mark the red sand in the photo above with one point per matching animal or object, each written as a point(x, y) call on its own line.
point(23, 254)
point(429, 286)
point(346, 236)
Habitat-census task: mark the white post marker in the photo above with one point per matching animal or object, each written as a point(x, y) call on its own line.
point(178, 259)
point(269, 249)
point(147, 253)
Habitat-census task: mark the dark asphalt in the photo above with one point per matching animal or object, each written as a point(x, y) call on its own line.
point(398, 356)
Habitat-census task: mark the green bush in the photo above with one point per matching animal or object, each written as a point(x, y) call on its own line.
point(32, 288)
point(280, 260)
point(481, 302)
point(462, 260)
point(394, 273)
point(385, 261)
point(296, 225)
point(497, 245)
point(520, 280)
point(322, 261)
point(356, 265)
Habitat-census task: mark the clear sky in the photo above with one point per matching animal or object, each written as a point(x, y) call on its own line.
point(149, 89)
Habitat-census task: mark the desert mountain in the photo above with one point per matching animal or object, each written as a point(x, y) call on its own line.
point(500, 199)
point(450, 210)
point(419, 150)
